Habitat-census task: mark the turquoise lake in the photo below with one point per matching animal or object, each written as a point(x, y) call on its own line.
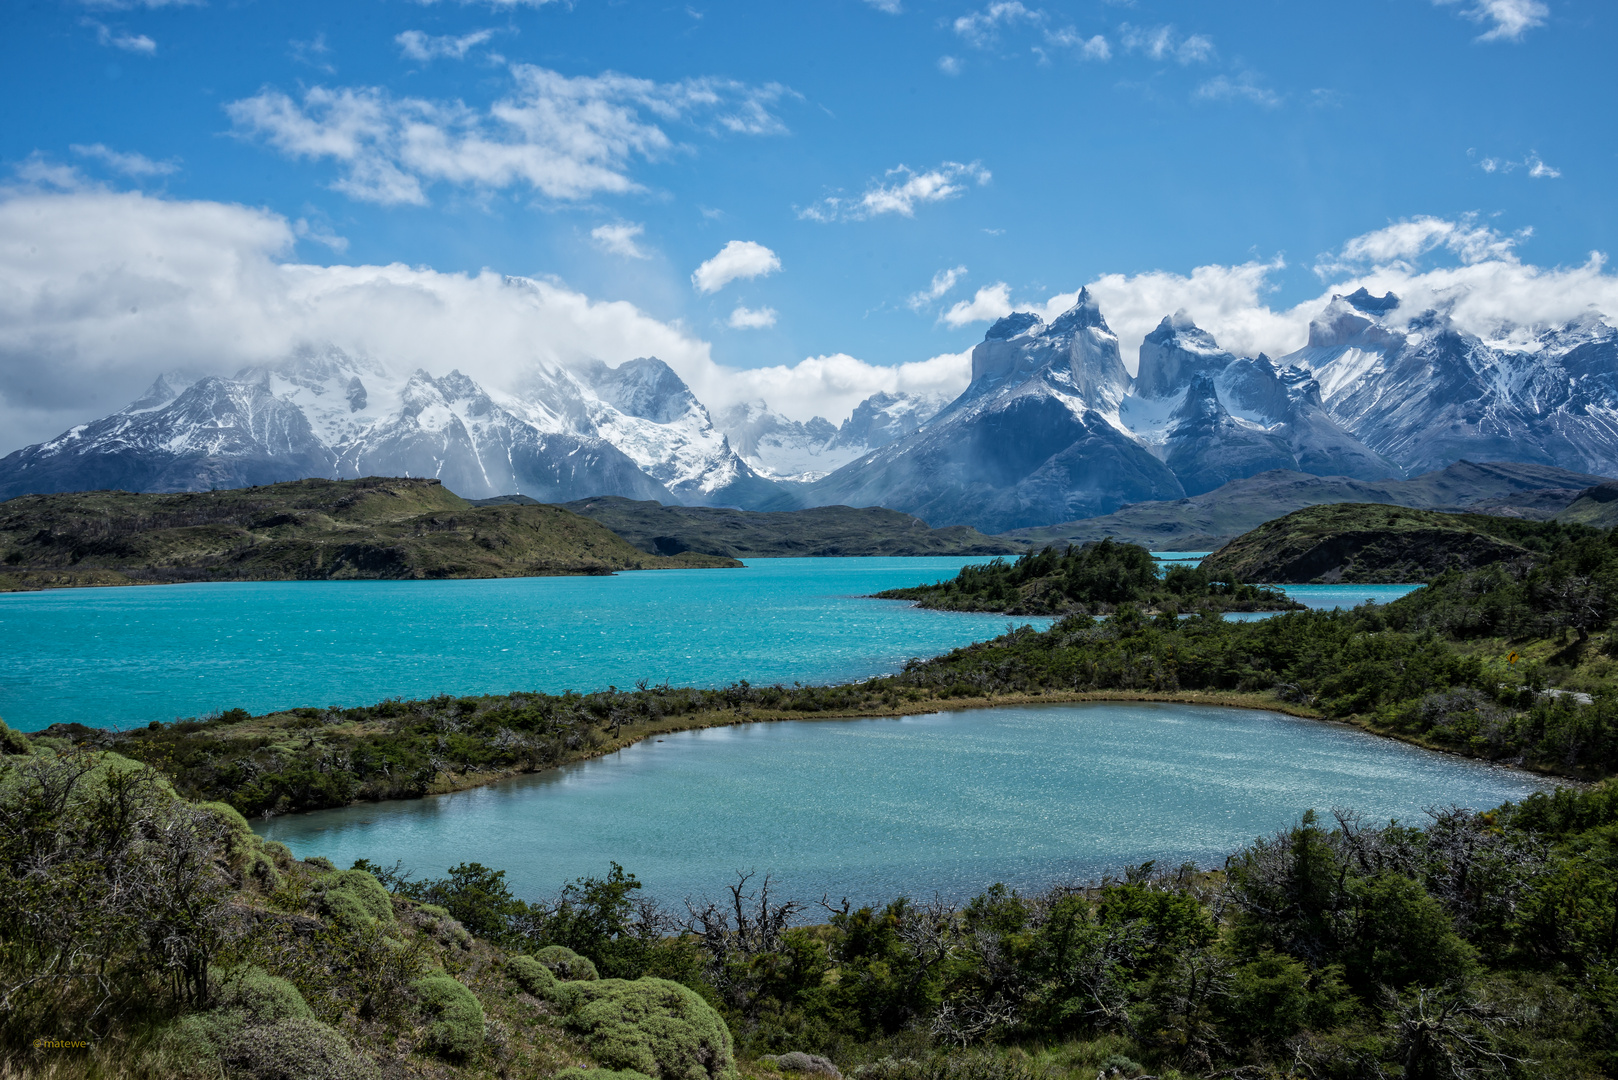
point(946, 803)
point(117, 657)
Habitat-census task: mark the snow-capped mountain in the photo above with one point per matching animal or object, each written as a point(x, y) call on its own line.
point(784, 449)
point(1214, 417)
point(1036, 437)
point(1424, 394)
point(325, 413)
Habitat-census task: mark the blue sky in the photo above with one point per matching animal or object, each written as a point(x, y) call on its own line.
point(871, 146)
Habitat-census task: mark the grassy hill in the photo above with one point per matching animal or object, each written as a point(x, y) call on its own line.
point(1366, 543)
point(303, 530)
point(821, 531)
point(1089, 579)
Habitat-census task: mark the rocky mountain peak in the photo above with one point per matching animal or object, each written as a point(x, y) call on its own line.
point(1014, 325)
point(644, 387)
point(1174, 354)
point(1362, 299)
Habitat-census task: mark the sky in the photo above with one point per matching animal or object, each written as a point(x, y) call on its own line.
point(798, 202)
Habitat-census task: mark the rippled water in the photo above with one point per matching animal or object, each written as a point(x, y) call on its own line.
point(949, 802)
point(122, 656)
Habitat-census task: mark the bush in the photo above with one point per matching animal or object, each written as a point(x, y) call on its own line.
point(190, 1047)
point(354, 897)
point(798, 1061)
point(454, 1013)
point(576, 1073)
point(534, 977)
point(263, 998)
point(12, 741)
point(240, 842)
point(567, 965)
point(652, 1026)
point(297, 1049)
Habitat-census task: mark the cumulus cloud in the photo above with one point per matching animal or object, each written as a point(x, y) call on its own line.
point(1242, 88)
point(989, 303)
point(618, 238)
point(135, 43)
point(1165, 43)
point(1508, 20)
point(746, 318)
point(1094, 47)
point(416, 45)
point(1485, 290)
point(1533, 164)
point(564, 137)
point(138, 166)
point(1401, 242)
point(949, 65)
point(899, 192)
point(737, 259)
point(942, 283)
point(106, 290)
point(979, 28)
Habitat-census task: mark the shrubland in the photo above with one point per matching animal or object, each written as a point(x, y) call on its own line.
point(150, 936)
point(1090, 579)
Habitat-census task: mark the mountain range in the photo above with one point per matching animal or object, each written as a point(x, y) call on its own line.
point(1051, 428)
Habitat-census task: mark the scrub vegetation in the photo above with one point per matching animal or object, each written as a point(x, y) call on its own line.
point(1090, 579)
point(147, 935)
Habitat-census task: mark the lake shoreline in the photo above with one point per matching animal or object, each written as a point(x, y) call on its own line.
point(451, 782)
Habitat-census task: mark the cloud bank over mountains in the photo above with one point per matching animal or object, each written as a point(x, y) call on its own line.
point(107, 290)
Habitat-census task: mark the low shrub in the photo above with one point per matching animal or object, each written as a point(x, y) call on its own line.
point(652, 1026)
point(354, 897)
point(534, 977)
point(454, 1014)
point(798, 1061)
point(261, 997)
point(567, 965)
point(298, 1048)
point(241, 844)
point(577, 1073)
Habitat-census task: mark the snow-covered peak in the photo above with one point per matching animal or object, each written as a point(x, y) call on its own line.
point(1076, 356)
point(1172, 355)
point(646, 387)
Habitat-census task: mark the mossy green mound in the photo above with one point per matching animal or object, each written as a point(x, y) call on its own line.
point(566, 964)
point(652, 1026)
point(454, 1014)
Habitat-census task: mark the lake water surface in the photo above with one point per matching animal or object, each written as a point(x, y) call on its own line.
point(950, 802)
point(116, 657)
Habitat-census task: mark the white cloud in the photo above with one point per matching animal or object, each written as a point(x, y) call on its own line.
point(130, 164)
point(417, 45)
point(135, 43)
point(564, 137)
point(502, 5)
point(619, 239)
point(1510, 19)
point(979, 28)
point(1536, 166)
point(1164, 43)
point(1241, 88)
point(304, 229)
point(949, 65)
point(890, 7)
point(1401, 242)
point(106, 290)
point(746, 318)
point(942, 283)
point(899, 195)
point(988, 304)
point(737, 259)
point(37, 172)
point(1091, 48)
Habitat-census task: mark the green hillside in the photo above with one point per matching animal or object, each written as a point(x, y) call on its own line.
point(1087, 580)
point(1364, 543)
point(821, 531)
point(303, 530)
